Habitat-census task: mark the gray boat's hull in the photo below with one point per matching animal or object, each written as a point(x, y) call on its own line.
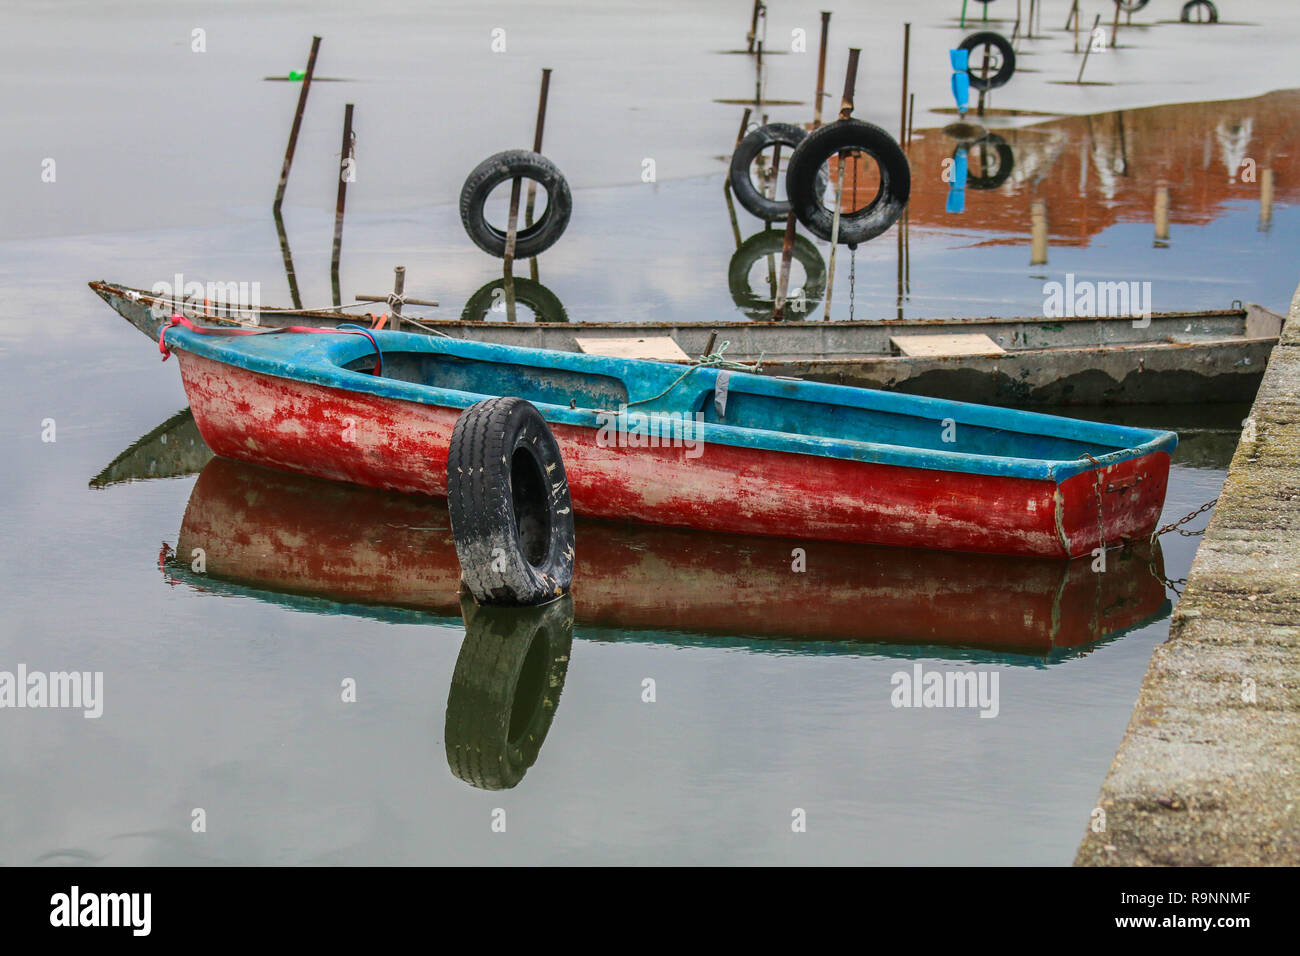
point(1172, 358)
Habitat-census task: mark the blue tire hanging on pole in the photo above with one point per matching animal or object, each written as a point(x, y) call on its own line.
point(809, 161)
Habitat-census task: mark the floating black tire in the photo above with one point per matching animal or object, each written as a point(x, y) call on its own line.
point(529, 240)
point(508, 500)
point(544, 304)
point(768, 243)
point(749, 148)
point(505, 690)
point(1131, 6)
point(1006, 54)
point(989, 176)
point(1211, 11)
point(810, 159)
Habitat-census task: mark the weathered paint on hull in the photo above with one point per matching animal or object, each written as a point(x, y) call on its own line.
point(379, 442)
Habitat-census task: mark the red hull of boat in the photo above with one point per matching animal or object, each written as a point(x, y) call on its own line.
point(380, 442)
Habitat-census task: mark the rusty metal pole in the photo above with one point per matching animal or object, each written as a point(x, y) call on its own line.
point(512, 232)
point(753, 26)
point(846, 111)
point(821, 70)
point(902, 109)
point(1074, 14)
point(1088, 49)
point(984, 78)
point(911, 117)
point(344, 155)
point(1114, 28)
point(537, 148)
point(297, 124)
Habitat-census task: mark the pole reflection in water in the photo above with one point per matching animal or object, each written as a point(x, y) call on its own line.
point(763, 246)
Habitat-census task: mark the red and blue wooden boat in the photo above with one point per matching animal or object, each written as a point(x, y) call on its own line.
point(702, 448)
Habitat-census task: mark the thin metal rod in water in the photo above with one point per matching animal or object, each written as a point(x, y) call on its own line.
point(902, 109)
point(821, 70)
point(344, 172)
point(297, 124)
point(537, 148)
point(1088, 49)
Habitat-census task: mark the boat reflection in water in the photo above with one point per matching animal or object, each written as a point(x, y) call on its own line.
point(351, 546)
point(331, 548)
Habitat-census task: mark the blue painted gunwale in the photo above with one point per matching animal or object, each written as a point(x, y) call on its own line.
point(318, 359)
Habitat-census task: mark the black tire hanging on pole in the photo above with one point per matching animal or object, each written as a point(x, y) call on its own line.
point(529, 240)
point(505, 690)
point(508, 500)
point(1001, 172)
point(1003, 46)
point(769, 243)
point(545, 304)
point(1210, 8)
point(1131, 6)
point(747, 150)
point(811, 156)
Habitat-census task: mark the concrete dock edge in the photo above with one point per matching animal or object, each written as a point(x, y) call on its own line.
point(1208, 771)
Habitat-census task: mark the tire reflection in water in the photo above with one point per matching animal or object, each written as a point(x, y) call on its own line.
point(505, 689)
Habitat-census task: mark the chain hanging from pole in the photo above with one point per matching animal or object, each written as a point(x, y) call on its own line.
point(853, 277)
point(853, 249)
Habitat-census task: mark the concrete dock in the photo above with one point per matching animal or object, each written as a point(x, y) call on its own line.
point(1208, 772)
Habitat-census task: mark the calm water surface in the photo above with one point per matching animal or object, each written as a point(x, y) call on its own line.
point(772, 689)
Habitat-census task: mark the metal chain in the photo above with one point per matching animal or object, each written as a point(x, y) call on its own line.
point(853, 278)
point(1176, 525)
